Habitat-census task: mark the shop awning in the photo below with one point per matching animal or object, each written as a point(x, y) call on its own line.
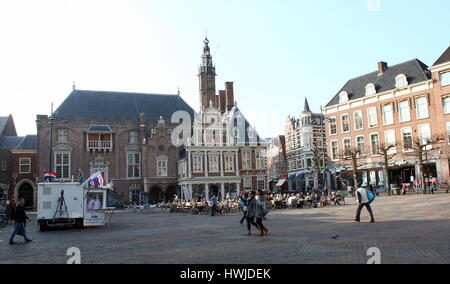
point(292, 177)
point(281, 182)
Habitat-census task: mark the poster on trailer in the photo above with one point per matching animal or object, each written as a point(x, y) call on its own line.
point(94, 202)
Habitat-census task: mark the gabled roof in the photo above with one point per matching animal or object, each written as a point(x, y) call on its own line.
point(119, 105)
point(234, 122)
point(9, 142)
point(3, 121)
point(4, 129)
point(445, 57)
point(28, 142)
point(415, 70)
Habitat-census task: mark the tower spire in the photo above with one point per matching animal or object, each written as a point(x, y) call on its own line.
point(306, 107)
point(207, 77)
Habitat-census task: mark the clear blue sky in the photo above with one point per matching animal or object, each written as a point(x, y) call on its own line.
point(276, 51)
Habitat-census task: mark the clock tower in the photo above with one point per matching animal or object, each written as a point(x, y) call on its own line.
point(207, 78)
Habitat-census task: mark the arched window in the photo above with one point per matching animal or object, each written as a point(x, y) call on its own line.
point(370, 90)
point(401, 81)
point(343, 97)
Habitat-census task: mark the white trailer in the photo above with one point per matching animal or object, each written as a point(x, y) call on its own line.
point(66, 204)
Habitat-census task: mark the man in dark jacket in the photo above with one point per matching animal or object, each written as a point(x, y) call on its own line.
point(20, 223)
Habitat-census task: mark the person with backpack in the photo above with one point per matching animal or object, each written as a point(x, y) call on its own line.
point(365, 197)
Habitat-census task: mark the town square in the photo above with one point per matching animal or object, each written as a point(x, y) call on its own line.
point(291, 134)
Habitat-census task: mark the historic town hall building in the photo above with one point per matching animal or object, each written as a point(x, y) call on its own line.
point(127, 135)
point(225, 155)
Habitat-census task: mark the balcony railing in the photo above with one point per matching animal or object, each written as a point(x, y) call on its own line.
point(98, 145)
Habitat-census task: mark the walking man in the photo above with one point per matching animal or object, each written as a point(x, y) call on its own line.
point(363, 201)
point(20, 223)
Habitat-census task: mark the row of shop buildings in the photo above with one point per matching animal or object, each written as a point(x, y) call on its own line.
point(399, 114)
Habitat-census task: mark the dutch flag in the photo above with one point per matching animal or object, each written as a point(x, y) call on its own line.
point(49, 175)
point(97, 180)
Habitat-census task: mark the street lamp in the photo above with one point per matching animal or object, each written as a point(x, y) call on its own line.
point(322, 124)
point(51, 122)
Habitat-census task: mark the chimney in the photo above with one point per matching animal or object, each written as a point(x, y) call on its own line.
point(229, 95)
point(382, 67)
point(222, 101)
point(217, 101)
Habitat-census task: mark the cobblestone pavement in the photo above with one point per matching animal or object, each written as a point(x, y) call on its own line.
point(411, 229)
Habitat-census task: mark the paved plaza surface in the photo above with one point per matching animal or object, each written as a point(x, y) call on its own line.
point(409, 229)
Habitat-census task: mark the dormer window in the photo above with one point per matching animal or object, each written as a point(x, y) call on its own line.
point(343, 97)
point(401, 81)
point(370, 90)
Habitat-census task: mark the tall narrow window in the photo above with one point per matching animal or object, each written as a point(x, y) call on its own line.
point(373, 119)
point(425, 135)
point(390, 141)
point(246, 160)
point(375, 141)
point(213, 163)
point(133, 165)
point(333, 126)
point(345, 123)
point(197, 162)
point(260, 160)
point(335, 150)
point(388, 114)
point(261, 183)
point(63, 136)
point(361, 145)
point(229, 163)
point(403, 110)
point(358, 120)
point(448, 132)
point(3, 166)
point(162, 168)
point(446, 104)
point(133, 137)
point(62, 165)
point(248, 184)
point(445, 79)
point(25, 166)
point(407, 139)
point(347, 146)
point(422, 107)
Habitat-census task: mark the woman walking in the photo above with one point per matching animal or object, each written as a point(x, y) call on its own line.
point(251, 213)
point(260, 213)
point(243, 203)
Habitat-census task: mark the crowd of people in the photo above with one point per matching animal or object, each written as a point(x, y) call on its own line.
point(303, 200)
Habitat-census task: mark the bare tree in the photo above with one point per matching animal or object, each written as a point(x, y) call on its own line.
point(353, 154)
point(317, 166)
point(420, 149)
point(387, 154)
